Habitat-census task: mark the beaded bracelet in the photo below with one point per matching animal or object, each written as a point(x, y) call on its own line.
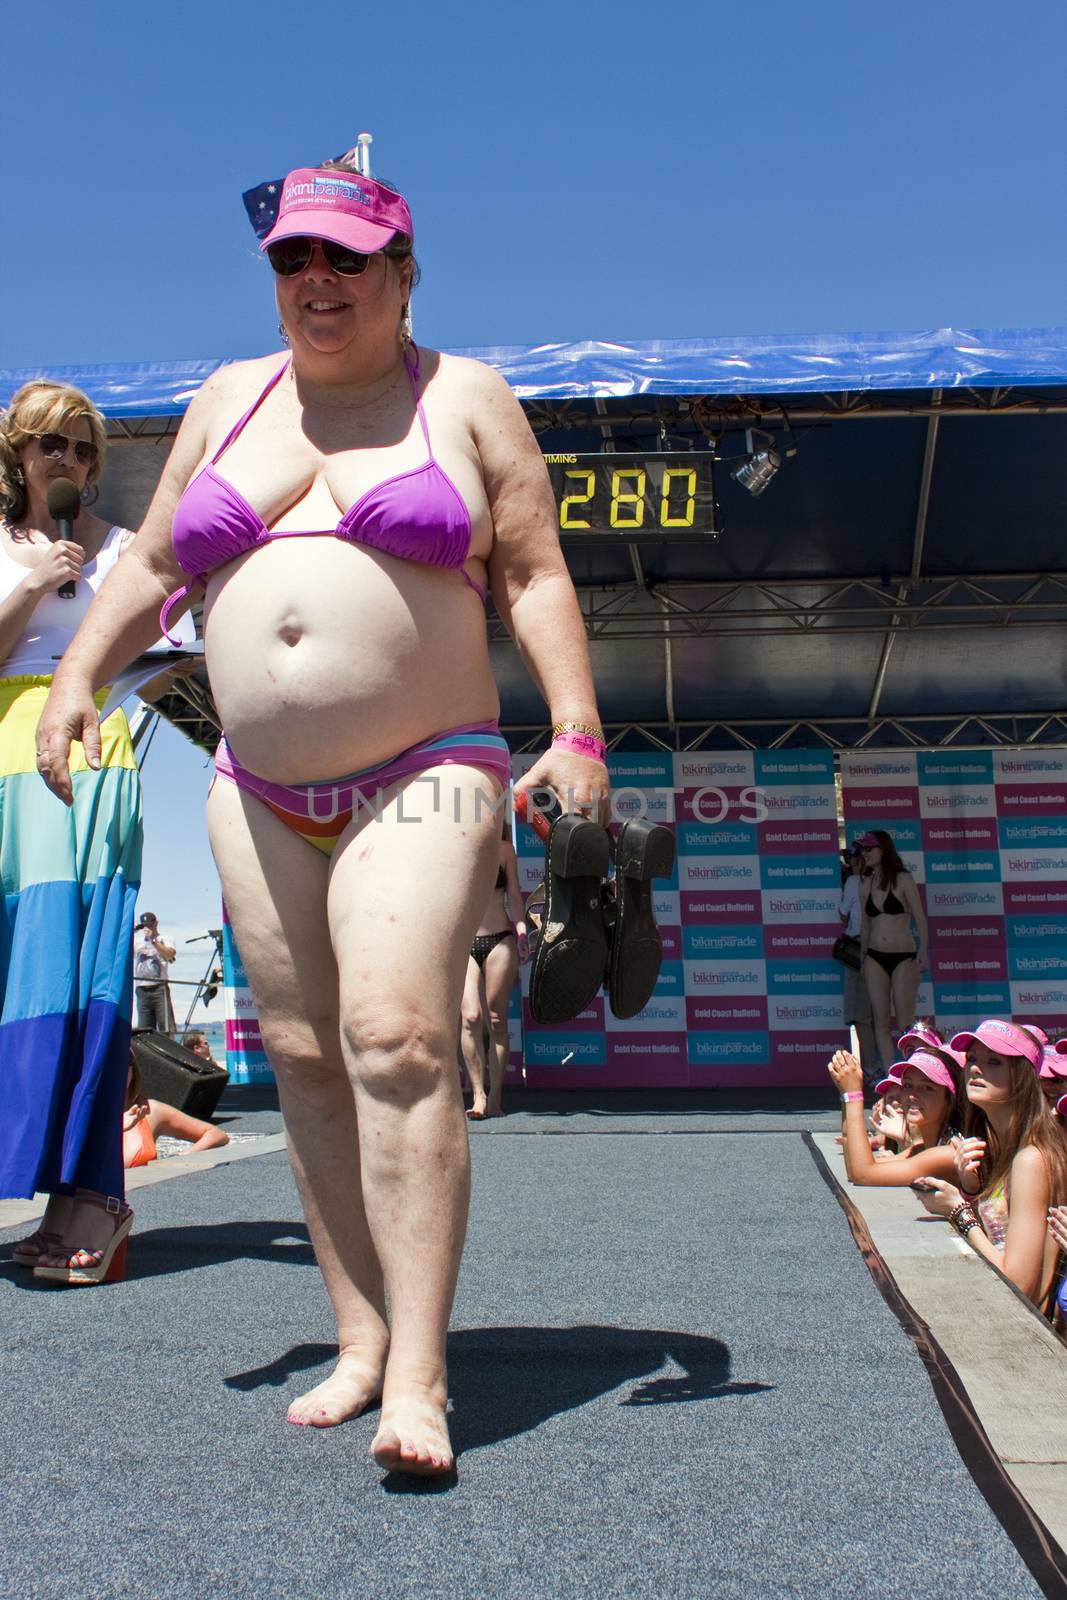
point(962, 1217)
point(965, 1227)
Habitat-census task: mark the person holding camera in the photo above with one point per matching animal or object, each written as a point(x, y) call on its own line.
point(152, 956)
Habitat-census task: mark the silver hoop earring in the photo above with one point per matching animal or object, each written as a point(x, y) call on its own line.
point(90, 495)
point(282, 332)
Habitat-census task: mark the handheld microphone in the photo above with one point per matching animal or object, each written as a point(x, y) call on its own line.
point(63, 505)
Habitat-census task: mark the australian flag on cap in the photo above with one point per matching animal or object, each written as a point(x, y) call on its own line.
point(263, 201)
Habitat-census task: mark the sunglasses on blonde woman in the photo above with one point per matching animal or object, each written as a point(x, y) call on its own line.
point(55, 445)
point(290, 256)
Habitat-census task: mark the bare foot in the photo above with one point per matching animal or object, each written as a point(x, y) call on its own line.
point(413, 1436)
point(353, 1385)
point(477, 1111)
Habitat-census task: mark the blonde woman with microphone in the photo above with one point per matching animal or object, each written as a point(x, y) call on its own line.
point(69, 876)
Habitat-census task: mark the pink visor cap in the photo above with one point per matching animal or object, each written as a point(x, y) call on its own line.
point(350, 210)
point(920, 1036)
point(1004, 1038)
point(1053, 1065)
point(930, 1042)
point(923, 1062)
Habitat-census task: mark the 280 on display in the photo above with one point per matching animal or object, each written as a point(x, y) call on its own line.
point(647, 496)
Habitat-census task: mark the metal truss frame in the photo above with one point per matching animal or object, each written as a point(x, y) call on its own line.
point(188, 709)
point(682, 609)
point(961, 730)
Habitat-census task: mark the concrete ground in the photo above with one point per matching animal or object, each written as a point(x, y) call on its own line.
point(671, 1374)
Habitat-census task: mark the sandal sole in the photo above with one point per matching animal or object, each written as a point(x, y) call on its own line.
point(572, 946)
point(644, 851)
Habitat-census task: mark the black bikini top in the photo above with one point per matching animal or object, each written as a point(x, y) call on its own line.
point(890, 905)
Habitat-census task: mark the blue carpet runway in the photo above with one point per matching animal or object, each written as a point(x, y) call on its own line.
point(671, 1374)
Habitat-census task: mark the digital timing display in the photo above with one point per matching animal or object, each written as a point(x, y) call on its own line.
point(647, 496)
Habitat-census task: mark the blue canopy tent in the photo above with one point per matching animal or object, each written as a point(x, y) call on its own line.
point(900, 581)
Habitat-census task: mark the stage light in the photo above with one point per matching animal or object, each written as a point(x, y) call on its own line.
point(757, 470)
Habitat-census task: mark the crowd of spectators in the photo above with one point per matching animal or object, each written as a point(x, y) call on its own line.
point(976, 1125)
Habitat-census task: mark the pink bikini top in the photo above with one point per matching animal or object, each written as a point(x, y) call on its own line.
point(418, 515)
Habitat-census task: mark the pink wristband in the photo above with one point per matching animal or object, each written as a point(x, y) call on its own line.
point(852, 1094)
point(581, 744)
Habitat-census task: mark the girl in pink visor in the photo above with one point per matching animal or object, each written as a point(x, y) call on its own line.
point(929, 1094)
point(1012, 1162)
point(925, 1035)
point(1052, 1076)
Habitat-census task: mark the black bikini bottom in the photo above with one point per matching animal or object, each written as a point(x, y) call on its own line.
point(484, 942)
point(889, 960)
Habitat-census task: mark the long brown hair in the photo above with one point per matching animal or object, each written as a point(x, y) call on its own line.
point(890, 867)
point(1032, 1123)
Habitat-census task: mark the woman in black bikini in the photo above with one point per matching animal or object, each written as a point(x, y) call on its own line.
point(892, 962)
point(499, 946)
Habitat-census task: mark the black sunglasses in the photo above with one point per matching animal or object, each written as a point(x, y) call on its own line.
point(290, 256)
point(54, 445)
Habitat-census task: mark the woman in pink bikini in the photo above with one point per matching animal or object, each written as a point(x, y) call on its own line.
point(344, 528)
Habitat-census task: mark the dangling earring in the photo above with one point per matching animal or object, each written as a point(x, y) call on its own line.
point(284, 335)
point(406, 332)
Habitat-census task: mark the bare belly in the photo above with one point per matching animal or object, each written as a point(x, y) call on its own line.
point(325, 658)
point(891, 933)
point(495, 918)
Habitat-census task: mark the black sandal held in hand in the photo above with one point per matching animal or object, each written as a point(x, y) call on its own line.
point(569, 946)
point(643, 851)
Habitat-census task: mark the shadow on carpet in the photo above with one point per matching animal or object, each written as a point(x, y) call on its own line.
point(549, 1371)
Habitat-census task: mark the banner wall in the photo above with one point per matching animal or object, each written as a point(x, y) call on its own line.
point(245, 1059)
point(748, 994)
point(984, 834)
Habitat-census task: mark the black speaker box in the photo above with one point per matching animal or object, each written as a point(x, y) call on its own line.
point(174, 1074)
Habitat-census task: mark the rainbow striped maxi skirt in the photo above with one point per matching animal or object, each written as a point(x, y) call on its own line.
point(69, 878)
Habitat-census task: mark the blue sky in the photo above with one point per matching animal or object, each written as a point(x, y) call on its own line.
point(588, 170)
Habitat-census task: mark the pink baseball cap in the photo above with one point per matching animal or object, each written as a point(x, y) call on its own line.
point(929, 1066)
point(1053, 1065)
point(1003, 1037)
point(342, 206)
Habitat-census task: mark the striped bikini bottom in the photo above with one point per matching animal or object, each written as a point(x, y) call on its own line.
point(320, 812)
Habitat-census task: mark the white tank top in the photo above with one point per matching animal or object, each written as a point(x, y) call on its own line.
point(54, 621)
